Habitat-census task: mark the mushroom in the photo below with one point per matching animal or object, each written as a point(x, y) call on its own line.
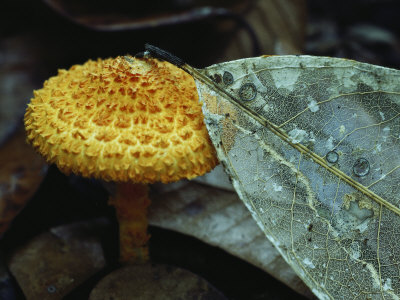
point(127, 120)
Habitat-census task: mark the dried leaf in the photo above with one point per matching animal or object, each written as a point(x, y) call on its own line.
point(19, 57)
point(216, 178)
point(312, 147)
point(279, 26)
point(53, 263)
point(123, 15)
point(218, 218)
point(21, 173)
point(153, 282)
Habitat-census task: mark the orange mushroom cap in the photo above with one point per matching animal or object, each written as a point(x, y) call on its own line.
point(122, 119)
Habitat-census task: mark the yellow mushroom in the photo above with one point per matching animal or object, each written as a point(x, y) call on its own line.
point(128, 120)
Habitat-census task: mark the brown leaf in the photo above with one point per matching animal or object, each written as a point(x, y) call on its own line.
point(279, 26)
point(153, 282)
point(133, 15)
point(18, 58)
point(21, 173)
point(219, 218)
point(53, 263)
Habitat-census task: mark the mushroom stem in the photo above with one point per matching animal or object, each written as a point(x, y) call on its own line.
point(131, 201)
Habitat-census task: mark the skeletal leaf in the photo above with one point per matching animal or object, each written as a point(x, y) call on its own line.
point(312, 147)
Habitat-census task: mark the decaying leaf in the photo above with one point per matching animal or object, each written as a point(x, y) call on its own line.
point(217, 217)
point(312, 147)
point(19, 57)
point(133, 15)
point(153, 281)
point(53, 263)
point(21, 172)
point(279, 26)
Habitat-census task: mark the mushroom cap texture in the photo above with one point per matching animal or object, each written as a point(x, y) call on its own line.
point(122, 119)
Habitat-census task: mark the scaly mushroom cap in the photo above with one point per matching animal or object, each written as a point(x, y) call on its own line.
point(122, 119)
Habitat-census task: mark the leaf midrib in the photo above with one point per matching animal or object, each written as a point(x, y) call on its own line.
point(299, 147)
